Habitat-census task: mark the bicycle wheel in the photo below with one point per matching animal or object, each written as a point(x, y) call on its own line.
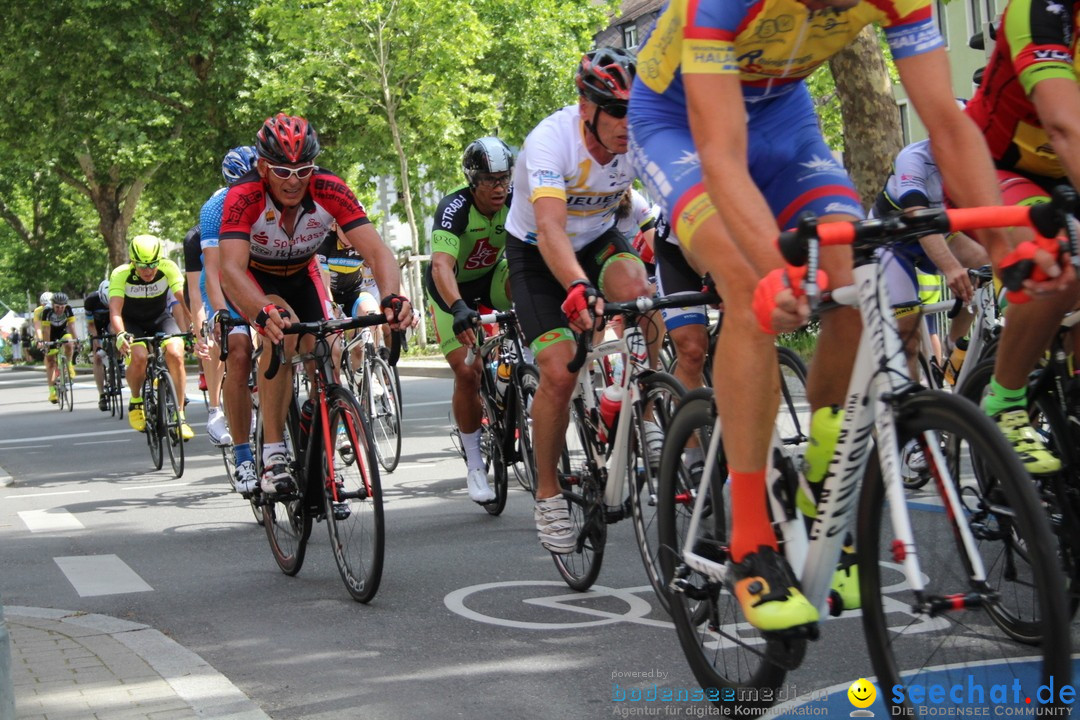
point(285, 518)
point(65, 385)
point(354, 504)
point(528, 379)
point(584, 495)
point(154, 428)
point(116, 385)
point(721, 648)
point(491, 447)
point(170, 419)
point(660, 396)
point(945, 633)
point(385, 414)
point(793, 417)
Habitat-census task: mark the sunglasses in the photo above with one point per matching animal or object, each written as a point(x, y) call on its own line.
point(491, 181)
point(145, 266)
point(615, 109)
point(284, 173)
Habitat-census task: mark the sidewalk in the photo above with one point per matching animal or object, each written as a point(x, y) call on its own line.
point(76, 666)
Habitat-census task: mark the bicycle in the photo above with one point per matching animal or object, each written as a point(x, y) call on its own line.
point(64, 383)
point(608, 469)
point(992, 530)
point(113, 368)
point(161, 407)
point(506, 404)
point(335, 468)
point(375, 384)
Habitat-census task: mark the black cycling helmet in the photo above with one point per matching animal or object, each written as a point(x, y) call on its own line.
point(605, 75)
point(486, 155)
point(60, 298)
point(287, 139)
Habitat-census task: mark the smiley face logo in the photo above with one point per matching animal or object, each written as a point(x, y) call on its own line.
point(862, 693)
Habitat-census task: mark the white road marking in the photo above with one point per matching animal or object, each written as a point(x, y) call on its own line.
point(93, 575)
point(47, 494)
point(51, 520)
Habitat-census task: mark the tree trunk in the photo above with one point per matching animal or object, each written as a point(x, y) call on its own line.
point(872, 133)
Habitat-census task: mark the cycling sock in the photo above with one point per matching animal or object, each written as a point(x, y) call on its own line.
point(748, 504)
point(471, 443)
point(1001, 398)
point(136, 401)
point(269, 449)
point(242, 453)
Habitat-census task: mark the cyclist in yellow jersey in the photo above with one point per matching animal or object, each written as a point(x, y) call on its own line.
point(56, 323)
point(724, 134)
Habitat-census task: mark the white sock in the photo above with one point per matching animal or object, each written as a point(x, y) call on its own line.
point(474, 459)
point(269, 449)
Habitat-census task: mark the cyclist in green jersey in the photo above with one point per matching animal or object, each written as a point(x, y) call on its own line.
point(467, 265)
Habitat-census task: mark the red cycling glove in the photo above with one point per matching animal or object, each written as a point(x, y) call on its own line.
point(1019, 265)
point(772, 285)
point(580, 298)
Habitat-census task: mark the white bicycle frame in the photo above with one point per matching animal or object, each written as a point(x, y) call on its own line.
point(984, 305)
point(879, 372)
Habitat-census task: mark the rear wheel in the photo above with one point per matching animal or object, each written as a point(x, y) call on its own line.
point(353, 497)
point(154, 429)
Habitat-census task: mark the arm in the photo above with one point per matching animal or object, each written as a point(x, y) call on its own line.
point(444, 277)
point(242, 290)
point(956, 276)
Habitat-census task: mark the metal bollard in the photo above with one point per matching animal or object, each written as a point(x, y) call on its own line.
point(7, 690)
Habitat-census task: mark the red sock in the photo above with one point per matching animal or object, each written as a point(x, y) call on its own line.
point(748, 504)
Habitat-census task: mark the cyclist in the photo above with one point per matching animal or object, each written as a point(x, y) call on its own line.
point(272, 223)
point(44, 300)
point(467, 265)
point(209, 365)
point(96, 307)
point(730, 180)
point(237, 163)
point(349, 281)
point(562, 246)
point(57, 324)
point(687, 326)
point(1027, 108)
point(146, 297)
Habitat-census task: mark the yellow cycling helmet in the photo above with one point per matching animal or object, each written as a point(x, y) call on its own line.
point(145, 249)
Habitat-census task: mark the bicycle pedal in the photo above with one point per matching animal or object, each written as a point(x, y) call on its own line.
point(342, 511)
point(613, 514)
point(809, 631)
point(836, 604)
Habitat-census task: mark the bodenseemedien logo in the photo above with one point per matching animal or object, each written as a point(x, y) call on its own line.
point(862, 694)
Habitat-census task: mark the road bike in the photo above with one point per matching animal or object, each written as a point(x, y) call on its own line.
point(507, 387)
point(334, 464)
point(64, 383)
point(932, 573)
point(161, 404)
point(375, 385)
point(113, 369)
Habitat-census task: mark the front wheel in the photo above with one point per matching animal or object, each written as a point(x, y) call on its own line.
point(154, 428)
point(528, 379)
point(385, 416)
point(353, 497)
point(172, 421)
point(286, 518)
point(584, 497)
point(491, 447)
point(1020, 591)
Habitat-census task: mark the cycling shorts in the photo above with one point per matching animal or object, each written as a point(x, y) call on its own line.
point(540, 296)
point(303, 291)
point(489, 289)
point(1022, 189)
point(673, 276)
point(163, 323)
point(788, 160)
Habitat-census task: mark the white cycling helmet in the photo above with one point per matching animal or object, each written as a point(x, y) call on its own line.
point(103, 291)
point(45, 298)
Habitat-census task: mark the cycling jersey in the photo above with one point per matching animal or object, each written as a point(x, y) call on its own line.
point(55, 325)
point(554, 162)
point(251, 214)
point(98, 311)
point(475, 241)
point(1037, 40)
point(641, 217)
point(146, 301)
point(349, 274)
point(210, 219)
point(771, 44)
point(192, 251)
point(915, 181)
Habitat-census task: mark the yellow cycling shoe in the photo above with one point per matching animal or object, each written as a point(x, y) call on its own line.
point(71, 371)
point(1016, 426)
point(136, 418)
point(185, 431)
point(52, 395)
point(769, 594)
point(845, 582)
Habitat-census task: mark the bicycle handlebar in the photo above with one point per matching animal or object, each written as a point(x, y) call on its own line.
point(322, 328)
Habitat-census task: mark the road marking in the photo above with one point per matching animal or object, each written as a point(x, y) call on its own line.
point(48, 494)
point(105, 442)
point(93, 575)
point(53, 519)
point(155, 486)
point(59, 438)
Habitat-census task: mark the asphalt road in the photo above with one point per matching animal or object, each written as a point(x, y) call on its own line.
point(471, 619)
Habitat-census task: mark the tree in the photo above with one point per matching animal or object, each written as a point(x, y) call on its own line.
point(104, 97)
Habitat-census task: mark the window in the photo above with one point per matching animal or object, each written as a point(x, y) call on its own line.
point(975, 16)
point(629, 36)
point(942, 20)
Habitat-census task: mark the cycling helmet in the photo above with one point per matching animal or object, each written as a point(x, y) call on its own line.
point(144, 249)
point(60, 298)
point(486, 155)
point(103, 291)
point(45, 298)
point(287, 139)
point(238, 162)
point(605, 75)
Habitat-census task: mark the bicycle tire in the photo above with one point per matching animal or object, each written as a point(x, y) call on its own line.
point(354, 504)
point(385, 416)
point(662, 393)
point(528, 380)
point(67, 385)
point(721, 648)
point(585, 500)
point(286, 520)
point(491, 447)
point(151, 417)
point(174, 442)
point(116, 391)
point(1023, 593)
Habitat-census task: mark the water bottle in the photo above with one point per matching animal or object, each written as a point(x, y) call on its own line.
point(610, 403)
point(306, 411)
point(824, 432)
point(502, 382)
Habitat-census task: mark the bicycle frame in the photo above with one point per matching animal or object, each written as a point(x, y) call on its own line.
point(879, 376)
point(984, 305)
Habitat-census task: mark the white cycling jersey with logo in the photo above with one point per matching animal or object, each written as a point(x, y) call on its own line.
point(555, 163)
